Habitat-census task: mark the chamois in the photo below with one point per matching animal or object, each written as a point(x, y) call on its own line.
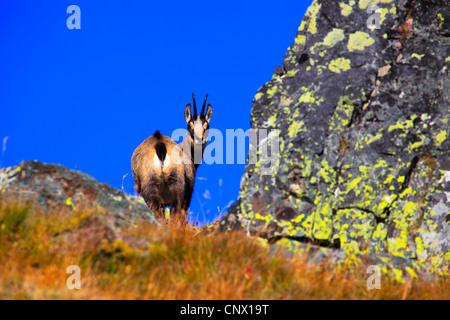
point(164, 172)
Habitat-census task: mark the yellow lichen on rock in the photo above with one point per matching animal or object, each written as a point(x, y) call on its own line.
point(359, 41)
point(339, 64)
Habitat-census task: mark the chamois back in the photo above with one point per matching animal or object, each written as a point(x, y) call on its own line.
point(163, 174)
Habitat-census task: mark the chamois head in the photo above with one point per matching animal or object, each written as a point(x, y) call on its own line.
point(198, 126)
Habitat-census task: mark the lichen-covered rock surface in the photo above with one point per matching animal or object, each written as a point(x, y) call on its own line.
point(51, 186)
point(363, 114)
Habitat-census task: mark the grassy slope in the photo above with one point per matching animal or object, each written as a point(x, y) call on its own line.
point(144, 261)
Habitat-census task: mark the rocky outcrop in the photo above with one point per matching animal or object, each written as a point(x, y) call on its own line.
point(363, 114)
point(51, 186)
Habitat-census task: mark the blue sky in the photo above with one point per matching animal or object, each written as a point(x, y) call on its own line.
point(87, 98)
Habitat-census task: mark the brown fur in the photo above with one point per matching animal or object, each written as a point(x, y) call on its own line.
point(163, 186)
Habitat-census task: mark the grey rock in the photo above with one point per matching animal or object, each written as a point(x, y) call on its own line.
point(52, 186)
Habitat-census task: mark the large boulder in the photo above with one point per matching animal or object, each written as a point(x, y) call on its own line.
point(52, 186)
point(362, 104)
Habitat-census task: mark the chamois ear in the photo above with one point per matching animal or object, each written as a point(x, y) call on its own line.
point(208, 115)
point(187, 113)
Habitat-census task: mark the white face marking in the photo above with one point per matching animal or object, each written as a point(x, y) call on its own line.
point(198, 129)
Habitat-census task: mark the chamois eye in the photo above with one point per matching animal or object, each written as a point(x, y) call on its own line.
point(191, 125)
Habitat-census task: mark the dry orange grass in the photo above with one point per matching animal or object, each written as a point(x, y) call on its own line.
point(144, 261)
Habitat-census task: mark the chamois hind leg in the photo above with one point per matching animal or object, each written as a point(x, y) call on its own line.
point(183, 214)
point(150, 193)
point(156, 207)
point(184, 209)
point(176, 211)
point(177, 215)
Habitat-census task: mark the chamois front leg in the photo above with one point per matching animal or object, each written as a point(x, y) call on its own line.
point(178, 213)
point(186, 201)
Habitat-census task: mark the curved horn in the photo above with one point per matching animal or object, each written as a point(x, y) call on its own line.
point(195, 107)
point(202, 114)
